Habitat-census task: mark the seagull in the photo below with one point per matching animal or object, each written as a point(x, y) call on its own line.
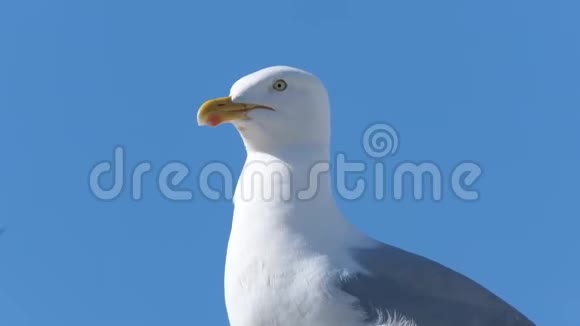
point(292, 257)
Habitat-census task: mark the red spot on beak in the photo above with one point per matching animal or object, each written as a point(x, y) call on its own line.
point(214, 120)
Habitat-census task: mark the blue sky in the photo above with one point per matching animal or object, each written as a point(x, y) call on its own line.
point(495, 82)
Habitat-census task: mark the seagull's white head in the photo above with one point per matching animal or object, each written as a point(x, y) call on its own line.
point(273, 108)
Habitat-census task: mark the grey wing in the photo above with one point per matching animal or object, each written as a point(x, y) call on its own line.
point(399, 282)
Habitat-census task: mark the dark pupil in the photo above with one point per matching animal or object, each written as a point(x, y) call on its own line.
point(279, 85)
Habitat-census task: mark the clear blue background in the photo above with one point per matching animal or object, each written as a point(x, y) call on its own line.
point(496, 82)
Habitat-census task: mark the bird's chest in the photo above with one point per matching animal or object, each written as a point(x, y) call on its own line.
point(278, 290)
point(266, 291)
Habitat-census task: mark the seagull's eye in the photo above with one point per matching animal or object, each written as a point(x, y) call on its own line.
point(279, 85)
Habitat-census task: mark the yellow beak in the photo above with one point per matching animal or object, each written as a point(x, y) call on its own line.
point(220, 110)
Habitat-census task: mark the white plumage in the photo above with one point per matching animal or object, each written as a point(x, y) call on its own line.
point(297, 261)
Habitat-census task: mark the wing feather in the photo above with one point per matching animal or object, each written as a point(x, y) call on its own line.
point(422, 290)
